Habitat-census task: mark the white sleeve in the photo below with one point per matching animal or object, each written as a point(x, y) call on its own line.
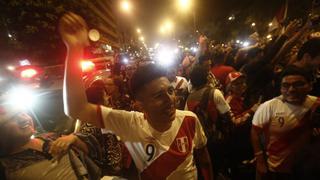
point(119, 121)
point(220, 102)
point(262, 116)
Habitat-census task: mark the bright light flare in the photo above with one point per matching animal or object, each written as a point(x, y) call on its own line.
point(141, 38)
point(138, 30)
point(125, 6)
point(11, 68)
point(270, 24)
point(125, 60)
point(245, 44)
point(184, 5)
point(87, 66)
point(165, 56)
point(21, 98)
point(253, 24)
point(194, 49)
point(28, 73)
point(168, 25)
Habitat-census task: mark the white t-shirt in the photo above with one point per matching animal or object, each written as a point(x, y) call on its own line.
point(285, 129)
point(166, 155)
point(217, 97)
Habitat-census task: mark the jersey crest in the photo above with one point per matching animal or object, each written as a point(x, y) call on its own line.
point(182, 144)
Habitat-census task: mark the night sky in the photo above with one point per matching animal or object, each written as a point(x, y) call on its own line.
point(148, 14)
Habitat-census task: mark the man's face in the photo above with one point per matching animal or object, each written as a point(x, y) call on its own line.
point(239, 86)
point(17, 128)
point(158, 101)
point(294, 89)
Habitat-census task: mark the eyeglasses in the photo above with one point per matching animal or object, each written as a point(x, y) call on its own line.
point(296, 85)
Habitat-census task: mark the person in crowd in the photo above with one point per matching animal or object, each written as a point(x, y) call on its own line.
point(309, 57)
point(260, 72)
point(118, 98)
point(161, 140)
point(115, 159)
point(217, 109)
point(206, 61)
point(240, 138)
point(219, 69)
point(44, 156)
point(235, 89)
point(180, 85)
point(187, 64)
point(285, 121)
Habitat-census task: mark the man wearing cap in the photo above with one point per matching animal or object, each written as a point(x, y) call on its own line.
point(161, 140)
point(286, 123)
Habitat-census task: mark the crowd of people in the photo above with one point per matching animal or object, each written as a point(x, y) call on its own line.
point(225, 112)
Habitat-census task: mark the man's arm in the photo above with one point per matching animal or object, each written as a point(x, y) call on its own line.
point(73, 31)
point(258, 152)
point(202, 158)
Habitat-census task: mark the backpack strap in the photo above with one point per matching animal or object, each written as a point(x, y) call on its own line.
point(205, 98)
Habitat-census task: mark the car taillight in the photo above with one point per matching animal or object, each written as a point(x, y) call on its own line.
point(87, 66)
point(28, 73)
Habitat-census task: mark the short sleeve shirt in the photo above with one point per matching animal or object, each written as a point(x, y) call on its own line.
point(158, 155)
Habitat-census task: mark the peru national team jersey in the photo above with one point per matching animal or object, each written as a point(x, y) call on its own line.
point(158, 155)
point(287, 129)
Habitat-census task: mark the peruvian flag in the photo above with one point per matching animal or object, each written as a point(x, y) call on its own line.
point(280, 17)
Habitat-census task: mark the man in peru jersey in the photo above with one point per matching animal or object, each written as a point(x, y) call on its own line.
point(163, 141)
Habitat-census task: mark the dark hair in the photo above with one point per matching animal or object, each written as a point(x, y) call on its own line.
point(199, 76)
point(294, 70)
point(218, 56)
point(254, 52)
point(143, 75)
point(205, 57)
point(95, 94)
point(311, 47)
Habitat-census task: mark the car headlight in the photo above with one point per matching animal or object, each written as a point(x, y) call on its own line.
point(21, 98)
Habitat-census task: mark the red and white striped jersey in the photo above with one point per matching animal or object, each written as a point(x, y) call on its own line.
point(158, 155)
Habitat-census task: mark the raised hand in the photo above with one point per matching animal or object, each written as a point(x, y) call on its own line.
point(73, 30)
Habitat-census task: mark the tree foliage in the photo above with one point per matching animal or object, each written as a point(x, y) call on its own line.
point(28, 28)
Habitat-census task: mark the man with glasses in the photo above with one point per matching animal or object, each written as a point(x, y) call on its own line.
point(286, 124)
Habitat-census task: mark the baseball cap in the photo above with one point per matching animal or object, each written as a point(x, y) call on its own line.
point(233, 76)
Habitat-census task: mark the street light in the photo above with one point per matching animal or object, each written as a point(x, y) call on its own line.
point(125, 6)
point(166, 27)
point(138, 30)
point(184, 5)
point(141, 38)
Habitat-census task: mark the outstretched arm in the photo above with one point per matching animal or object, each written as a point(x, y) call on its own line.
point(73, 31)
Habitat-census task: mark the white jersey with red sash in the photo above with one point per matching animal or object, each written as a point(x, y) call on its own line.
point(158, 155)
point(287, 128)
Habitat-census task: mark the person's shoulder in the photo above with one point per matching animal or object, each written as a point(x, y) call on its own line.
point(312, 98)
point(274, 102)
point(184, 113)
